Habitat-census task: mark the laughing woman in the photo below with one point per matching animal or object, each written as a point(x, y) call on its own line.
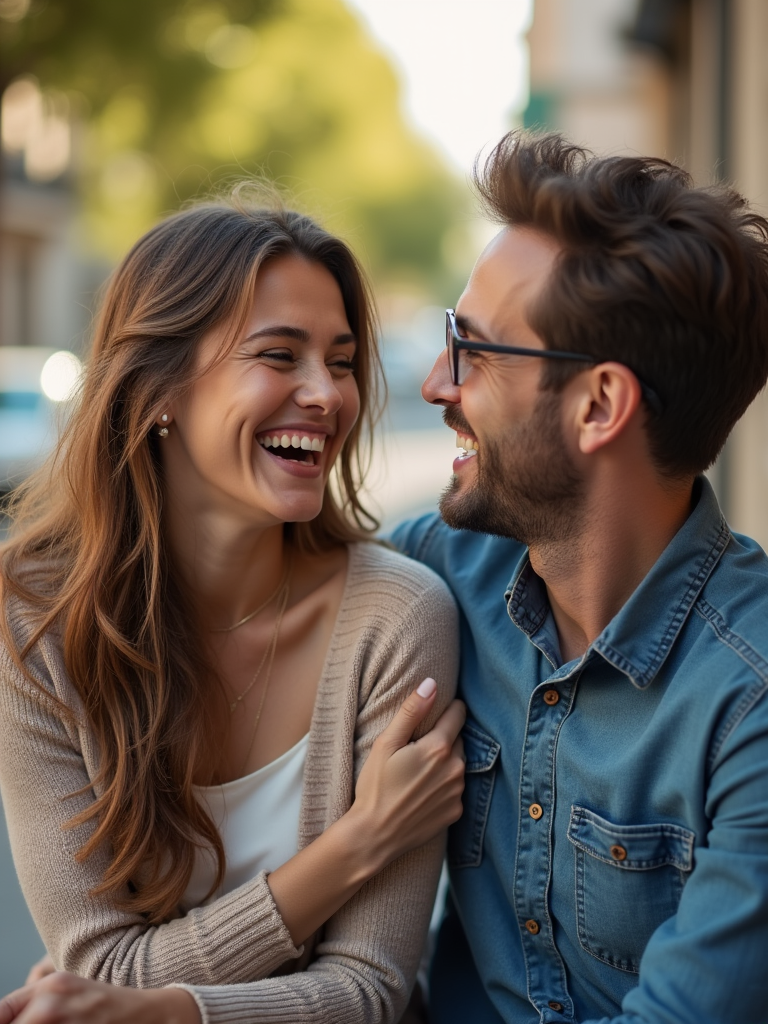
point(208, 677)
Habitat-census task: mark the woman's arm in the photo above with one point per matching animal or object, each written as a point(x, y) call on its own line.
point(407, 793)
point(240, 937)
point(369, 952)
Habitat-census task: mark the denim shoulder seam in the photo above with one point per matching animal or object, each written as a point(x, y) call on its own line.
point(751, 658)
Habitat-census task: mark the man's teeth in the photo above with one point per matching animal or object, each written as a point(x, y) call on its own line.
point(469, 444)
point(309, 444)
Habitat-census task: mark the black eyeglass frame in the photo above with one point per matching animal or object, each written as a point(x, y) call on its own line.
point(455, 343)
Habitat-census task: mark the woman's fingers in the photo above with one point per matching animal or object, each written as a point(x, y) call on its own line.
point(41, 969)
point(410, 715)
point(449, 724)
point(14, 1003)
point(62, 998)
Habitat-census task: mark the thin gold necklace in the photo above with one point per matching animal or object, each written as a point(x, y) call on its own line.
point(283, 593)
point(262, 606)
point(272, 648)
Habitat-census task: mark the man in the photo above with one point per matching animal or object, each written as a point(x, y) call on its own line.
point(611, 863)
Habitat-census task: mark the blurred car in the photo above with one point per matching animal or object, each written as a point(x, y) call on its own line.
point(36, 388)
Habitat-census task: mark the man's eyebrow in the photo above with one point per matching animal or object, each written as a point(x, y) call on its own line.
point(468, 326)
point(297, 334)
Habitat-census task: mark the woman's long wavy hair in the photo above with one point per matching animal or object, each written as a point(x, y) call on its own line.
point(87, 557)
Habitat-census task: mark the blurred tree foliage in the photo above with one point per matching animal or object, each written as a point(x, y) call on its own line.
point(181, 96)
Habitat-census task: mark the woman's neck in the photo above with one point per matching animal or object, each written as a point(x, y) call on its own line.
point(228, 568)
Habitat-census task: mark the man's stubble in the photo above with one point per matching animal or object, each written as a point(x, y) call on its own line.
point(526, 485)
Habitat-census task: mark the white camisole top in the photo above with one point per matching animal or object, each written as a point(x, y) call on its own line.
point(258, 819)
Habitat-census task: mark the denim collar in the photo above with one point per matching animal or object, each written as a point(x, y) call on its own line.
point(639, 638)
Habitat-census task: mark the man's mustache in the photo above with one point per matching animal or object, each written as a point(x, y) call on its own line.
point(453, 418)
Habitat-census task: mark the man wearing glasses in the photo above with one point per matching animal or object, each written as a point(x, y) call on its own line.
point(611, 864)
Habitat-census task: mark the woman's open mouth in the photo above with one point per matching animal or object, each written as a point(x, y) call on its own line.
point(302, 448)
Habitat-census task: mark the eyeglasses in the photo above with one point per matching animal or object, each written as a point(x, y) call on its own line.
point(456, 344)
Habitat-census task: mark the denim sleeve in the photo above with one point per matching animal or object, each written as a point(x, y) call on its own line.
point(708, 964)
point(411, 537)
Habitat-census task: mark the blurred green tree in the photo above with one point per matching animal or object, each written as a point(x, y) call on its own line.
point(183, 95)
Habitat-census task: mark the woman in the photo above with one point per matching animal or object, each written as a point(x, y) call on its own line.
point(202, 647)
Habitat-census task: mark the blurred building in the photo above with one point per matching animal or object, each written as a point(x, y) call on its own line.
point(42, 280)
point(685, 79)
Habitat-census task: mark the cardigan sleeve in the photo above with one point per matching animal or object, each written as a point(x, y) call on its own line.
point(42, 764)
point(366, 961)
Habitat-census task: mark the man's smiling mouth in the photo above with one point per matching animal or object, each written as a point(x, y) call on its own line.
point(294, 447)
point(469, 444)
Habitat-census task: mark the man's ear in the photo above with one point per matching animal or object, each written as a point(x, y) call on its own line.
point(609, 398)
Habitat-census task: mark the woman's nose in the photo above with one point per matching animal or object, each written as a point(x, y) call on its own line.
point(319, 389)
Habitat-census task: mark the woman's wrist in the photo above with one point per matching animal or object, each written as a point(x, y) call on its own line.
point(171, 1006)
point(360, 836)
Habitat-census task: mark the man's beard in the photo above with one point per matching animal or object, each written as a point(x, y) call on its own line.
point(526, 485)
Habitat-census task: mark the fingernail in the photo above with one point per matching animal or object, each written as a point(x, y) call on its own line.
point(427, 688)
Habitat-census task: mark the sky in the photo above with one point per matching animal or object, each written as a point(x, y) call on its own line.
point(463, 65)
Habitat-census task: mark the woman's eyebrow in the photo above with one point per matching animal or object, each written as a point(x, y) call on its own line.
point(297, 334)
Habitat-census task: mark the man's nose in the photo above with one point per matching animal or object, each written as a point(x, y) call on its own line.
point(438, 388)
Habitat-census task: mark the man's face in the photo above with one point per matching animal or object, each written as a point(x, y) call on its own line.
point(520, 480)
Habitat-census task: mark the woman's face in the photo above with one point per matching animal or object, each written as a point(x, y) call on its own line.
point(257, 434)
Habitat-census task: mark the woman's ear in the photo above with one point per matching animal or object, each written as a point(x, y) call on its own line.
point(610, 399)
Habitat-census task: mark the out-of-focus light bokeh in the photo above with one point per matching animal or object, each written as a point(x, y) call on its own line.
point(60, 376)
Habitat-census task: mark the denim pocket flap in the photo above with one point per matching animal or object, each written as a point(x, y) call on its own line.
point(480, 750)
point(631, 847)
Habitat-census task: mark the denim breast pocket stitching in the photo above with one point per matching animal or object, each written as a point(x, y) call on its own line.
point(677, 848)
point(481, 766)
point(487, 743)
point(585, 820)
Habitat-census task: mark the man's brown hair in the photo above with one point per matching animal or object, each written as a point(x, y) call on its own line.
point(669, 279)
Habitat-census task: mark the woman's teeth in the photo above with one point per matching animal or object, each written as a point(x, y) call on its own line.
point(309, 444)
point(469, 444)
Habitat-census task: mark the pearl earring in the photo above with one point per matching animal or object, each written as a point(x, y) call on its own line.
point(163, 431)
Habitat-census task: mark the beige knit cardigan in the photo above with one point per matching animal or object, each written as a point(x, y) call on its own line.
point(396, 625)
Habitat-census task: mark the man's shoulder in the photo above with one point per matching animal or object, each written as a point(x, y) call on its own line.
point(456, 555)
point(734, 602)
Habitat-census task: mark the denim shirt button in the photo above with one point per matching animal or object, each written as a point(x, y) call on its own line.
point(618, 853)
point(554, 1005)
point(533, 927)
point(551, 697)
point(536, 811)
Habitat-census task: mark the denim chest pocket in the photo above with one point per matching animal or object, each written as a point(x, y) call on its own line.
point(629, 879)
point(465, 838)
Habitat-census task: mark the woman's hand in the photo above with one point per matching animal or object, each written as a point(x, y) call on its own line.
point(406, 794)
point(66, 999)
point(41, 969)
point(409, 791)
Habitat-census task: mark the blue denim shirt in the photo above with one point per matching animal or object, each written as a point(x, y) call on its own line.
point(611, 863)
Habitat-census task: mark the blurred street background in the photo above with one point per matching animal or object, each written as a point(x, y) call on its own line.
point(369, 114)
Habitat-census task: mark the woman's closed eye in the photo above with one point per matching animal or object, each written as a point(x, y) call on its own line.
point(339, 365)
point(342, 367)
point(277, 355)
